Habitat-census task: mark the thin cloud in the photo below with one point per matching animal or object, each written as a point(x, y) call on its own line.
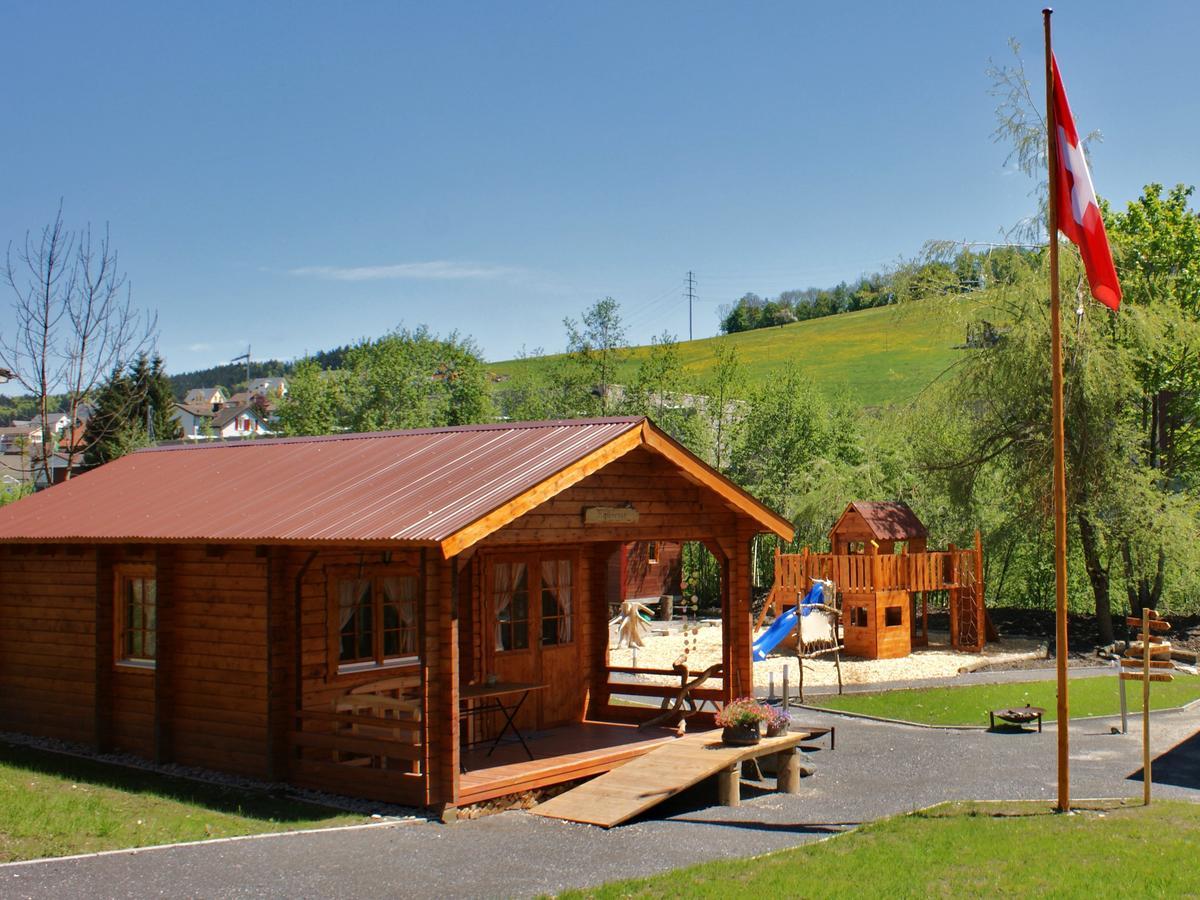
point(435, 270)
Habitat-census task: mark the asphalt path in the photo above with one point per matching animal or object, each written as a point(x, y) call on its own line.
point(878, 769)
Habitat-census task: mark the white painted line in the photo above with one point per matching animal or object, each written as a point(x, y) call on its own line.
point(130, 851)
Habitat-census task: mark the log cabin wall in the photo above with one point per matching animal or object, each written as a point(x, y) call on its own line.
point(48, 641)
point(216, 655)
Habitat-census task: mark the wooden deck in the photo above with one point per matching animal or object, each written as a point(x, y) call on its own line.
point(560, 755)
point(667, 770)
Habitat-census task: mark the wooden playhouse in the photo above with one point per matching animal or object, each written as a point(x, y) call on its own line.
point(882, 569)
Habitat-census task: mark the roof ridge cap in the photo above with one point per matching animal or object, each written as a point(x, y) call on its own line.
point(398, 433)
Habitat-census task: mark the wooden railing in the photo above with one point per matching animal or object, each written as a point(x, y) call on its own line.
point(367, 743)
point(863, 573)
point(666, 690)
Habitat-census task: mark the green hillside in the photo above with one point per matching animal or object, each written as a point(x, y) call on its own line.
point(881, 356)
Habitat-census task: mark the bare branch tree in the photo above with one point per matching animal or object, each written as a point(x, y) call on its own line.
point(74, 322)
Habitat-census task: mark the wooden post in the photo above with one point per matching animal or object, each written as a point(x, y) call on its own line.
point(980, 609)
point(1146, 706)
point(729, 785)
point(104, 649)
point(787, 769)
point(1060, 466)
point(166, 648)
point(953, 595)
point(281, 667)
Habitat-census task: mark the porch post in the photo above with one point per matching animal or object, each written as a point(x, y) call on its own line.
point(741, 596)
point(440, 645)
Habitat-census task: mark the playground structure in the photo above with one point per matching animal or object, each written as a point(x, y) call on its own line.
point(881, 566)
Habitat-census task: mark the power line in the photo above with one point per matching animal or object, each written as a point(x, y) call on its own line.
point(691, 298)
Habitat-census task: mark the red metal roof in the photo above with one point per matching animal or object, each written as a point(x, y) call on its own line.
point(890, 521)
point(406, 486)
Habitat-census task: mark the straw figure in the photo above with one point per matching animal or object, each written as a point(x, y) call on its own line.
point(631, 627)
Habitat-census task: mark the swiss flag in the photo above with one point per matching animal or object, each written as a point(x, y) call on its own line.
point(1078, 212)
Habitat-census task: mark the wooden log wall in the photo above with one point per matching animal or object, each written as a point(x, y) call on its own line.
point(219, 663)
point(48, 641)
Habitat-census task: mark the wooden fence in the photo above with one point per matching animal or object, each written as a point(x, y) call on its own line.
point(359, 754)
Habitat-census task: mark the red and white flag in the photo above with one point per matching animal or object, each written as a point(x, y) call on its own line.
point(1078, 212)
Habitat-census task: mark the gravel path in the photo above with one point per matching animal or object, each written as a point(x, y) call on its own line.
point(878, 769)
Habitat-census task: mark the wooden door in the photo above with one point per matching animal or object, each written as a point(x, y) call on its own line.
point(558, 628)
point(530, 625)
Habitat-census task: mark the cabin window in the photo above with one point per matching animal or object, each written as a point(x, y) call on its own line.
point(652, 553)
point(377, 621)
point(136, 616)
point(557, 591)
point(893, 616)
point(858, 616)
point(510, 599)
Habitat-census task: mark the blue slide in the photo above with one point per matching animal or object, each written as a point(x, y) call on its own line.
point(783, 626)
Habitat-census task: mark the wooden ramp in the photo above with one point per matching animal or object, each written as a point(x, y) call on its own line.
point(665, 771)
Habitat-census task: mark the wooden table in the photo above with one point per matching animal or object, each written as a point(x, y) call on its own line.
point(480, 699)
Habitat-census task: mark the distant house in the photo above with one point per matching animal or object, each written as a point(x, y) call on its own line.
point(213, 396)
point(275, 388)
point(53, 424)
point(195, 419)
point(18, 438)
point(239, 421)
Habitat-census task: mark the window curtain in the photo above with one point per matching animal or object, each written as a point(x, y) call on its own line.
point(350, 591)
point(556, 577)
point(504, 579)
point(402, 594)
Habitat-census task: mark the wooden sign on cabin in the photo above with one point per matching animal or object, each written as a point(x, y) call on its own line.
point(609, 515)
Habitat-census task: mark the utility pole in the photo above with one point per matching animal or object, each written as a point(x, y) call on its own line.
point(246, 357)
point(691, 298)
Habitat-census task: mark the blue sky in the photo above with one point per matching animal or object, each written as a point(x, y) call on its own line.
point(296, 176)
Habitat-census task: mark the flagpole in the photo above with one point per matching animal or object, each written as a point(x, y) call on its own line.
point(1060, 466)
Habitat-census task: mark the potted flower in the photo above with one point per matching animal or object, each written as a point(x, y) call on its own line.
point(778, 720)
point(741, 721)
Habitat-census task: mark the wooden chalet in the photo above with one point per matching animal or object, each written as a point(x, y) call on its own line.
point(327, 616)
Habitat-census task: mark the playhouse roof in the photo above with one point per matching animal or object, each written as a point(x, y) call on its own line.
point(886, 521)
point(447, 487)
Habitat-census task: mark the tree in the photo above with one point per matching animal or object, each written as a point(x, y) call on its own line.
point(313, 404)
point(598, 347)
point(415, 379)
point(785, 430)
point(134, 408)
point(74, 321)
point(724, 396)
point(1157, 243)
point(661, 390)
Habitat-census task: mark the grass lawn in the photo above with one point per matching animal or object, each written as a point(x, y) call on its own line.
point(969, 705)
point(965, 850)
point(53, 805)
point(880, 356)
